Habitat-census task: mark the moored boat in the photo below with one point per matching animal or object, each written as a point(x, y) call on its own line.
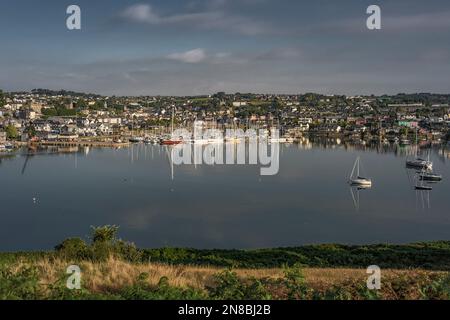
point(358, 180)
point(430, 176)
point(170, 142)
point(426, 188)
point(419, 164)
point(136, 139)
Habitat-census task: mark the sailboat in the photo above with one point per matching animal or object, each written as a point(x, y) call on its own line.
point(430, 176)
point(419, 163)
point(358, 180)
point(421, 185)
point(171, 141)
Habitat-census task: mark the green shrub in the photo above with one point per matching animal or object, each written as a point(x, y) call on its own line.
point(59, 291)
point(127, 251)
point(295, 283)
point(106, 234)
point(256, 290)
point(163, 291)
point(73, 249)
point(436, 289)
point(334, 293)
point(20, 285)
point(230, 287)
point(104, 244)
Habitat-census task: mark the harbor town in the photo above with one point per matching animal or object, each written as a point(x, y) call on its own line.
point(63, 118)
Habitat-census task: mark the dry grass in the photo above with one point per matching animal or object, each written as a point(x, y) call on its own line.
point(114, 274)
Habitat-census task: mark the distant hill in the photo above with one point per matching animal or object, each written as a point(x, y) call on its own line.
point(63, 93)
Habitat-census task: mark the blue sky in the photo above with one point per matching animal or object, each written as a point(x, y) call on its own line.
point(204, 46)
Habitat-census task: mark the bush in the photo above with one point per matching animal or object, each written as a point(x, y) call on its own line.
point(295, 283)
point(104, 234)
point(59, 291)
point(436, 289)
point(256, 290)
point(74, 249)
point(163, 291)
point(104, 244)
point(230, 287)
point(20, 285)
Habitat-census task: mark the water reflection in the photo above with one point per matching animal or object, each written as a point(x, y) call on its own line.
point(62, 192)
point(355, 192)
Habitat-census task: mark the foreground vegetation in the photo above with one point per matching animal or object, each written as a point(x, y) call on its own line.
point(114, 269)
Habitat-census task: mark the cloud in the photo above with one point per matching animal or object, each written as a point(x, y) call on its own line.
point(396, 24)
point(209, 19)
point(141, 13)
point(192, 56)
point(422, 21)
point(200, 55)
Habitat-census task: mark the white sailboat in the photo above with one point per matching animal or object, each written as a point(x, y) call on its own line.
point(419, 163)
point(358, 180)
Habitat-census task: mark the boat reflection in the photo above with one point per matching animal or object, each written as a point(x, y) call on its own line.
point(355, 192)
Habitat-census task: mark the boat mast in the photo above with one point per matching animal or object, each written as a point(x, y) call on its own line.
point(358, 167)
point(417, 144)
point(354, 167)
point(173, 114)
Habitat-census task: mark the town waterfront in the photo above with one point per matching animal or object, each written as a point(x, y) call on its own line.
point(51, 195)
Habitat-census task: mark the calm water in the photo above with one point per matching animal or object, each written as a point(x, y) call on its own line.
point(228, 206)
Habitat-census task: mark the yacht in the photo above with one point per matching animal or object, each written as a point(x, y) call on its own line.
point(419, 164)
point(358, 180)
point(430, 176)
point(171, 140)
point(136, 139)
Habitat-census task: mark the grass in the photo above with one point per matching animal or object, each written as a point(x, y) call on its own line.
point(429, 256)
point(116, 269)
point(117, 279)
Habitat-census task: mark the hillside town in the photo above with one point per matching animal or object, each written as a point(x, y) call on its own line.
point(50, 117)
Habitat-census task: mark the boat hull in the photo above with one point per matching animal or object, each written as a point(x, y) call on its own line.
point(431, 178)
point(419, 164)
point(170, 142)
point(423, 188)
point(361, 182)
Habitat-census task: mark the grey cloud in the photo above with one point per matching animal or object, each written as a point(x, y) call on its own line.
point(213, 19)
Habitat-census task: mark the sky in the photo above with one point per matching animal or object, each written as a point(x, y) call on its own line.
point(196, 47)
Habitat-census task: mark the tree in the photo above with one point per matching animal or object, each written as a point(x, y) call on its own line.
point(2, 99)
point(31, 131)
point(104, 234)
point(11, 132)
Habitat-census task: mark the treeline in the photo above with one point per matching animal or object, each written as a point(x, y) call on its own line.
point(64, 93)
point(430, 256)
point(104, 242)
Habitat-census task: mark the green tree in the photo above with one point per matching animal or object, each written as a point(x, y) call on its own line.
point(2, 99)
point(11, 132)
point(104, 234)
point(31, 131)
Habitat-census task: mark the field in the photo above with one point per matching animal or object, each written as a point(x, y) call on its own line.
point(115, 269)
